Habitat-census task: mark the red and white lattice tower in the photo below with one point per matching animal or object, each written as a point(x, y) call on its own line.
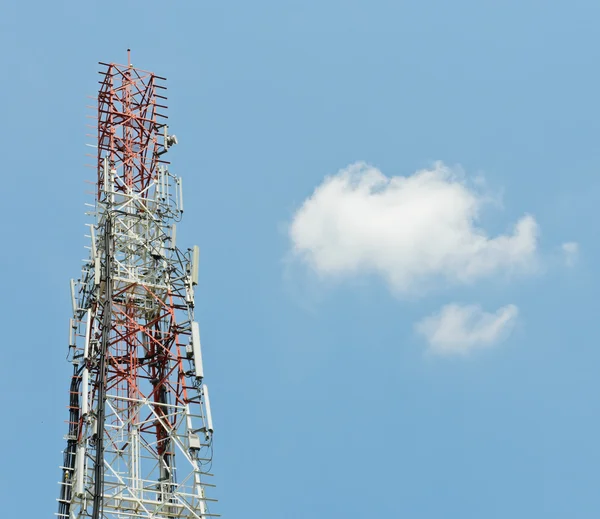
point(139, 443)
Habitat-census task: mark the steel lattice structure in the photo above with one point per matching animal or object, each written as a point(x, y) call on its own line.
point(139, 442)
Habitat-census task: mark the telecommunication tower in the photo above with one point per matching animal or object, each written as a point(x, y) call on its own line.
point(139, 442)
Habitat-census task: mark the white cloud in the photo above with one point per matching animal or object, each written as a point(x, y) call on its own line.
point(457, 329)
point(571, 252)
point(411, 230)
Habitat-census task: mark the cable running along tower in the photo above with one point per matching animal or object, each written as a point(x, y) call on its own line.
point(139, 442)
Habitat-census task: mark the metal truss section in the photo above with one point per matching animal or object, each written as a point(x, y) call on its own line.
point(139, 442)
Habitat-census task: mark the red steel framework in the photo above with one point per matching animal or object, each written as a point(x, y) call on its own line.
point(128, 100)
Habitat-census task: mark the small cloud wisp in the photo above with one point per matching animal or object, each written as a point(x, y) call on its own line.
point(460, 329)
point(571, 253)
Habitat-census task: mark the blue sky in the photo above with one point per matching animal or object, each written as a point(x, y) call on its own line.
point(326, 401)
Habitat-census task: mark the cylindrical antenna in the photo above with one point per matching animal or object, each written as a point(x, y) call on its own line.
point(197, 351)
point(71, 333)
point(209, 422)
point(180, 195)
point(73, 300)
point(195, 264)
point(86, 344)
point(93, 240)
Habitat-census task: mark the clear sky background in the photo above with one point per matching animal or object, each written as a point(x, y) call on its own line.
point(327, 401)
